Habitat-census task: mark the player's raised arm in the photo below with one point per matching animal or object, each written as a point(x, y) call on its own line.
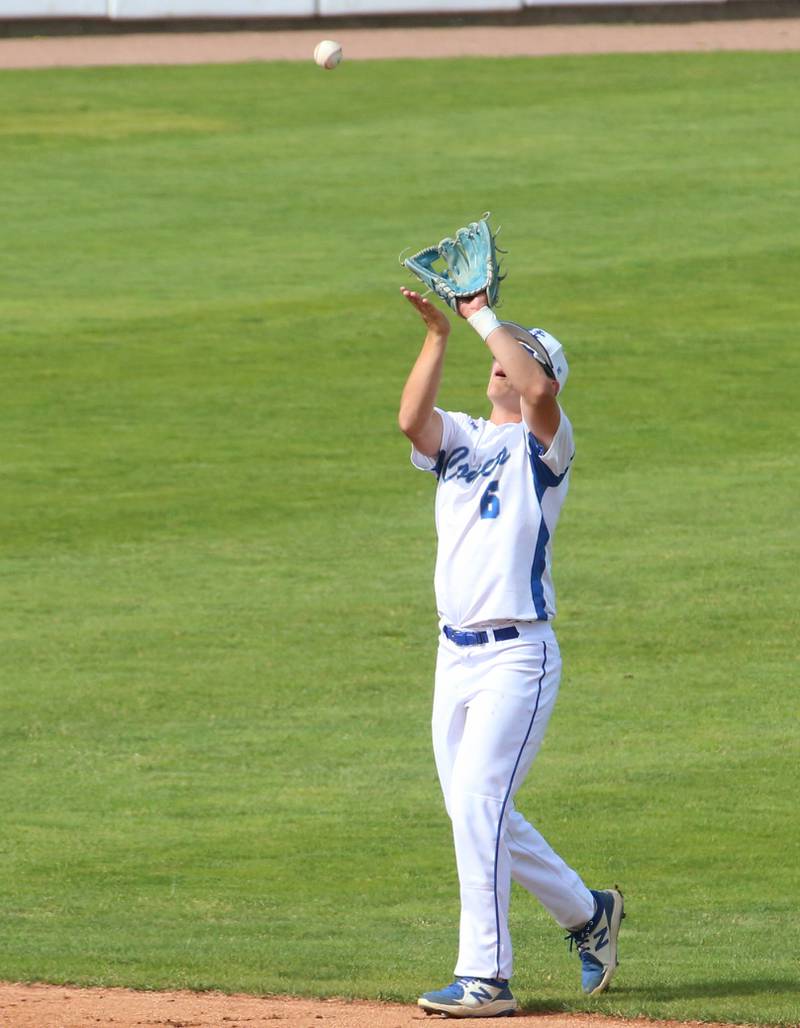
point(417, 418)
point(537, 391)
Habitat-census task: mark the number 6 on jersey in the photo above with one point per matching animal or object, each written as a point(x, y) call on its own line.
point(490, 502)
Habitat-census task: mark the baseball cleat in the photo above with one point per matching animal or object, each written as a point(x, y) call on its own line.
point(596, 942)
point(471, 997)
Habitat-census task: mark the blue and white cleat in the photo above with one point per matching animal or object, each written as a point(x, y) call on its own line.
point(471, 997)
point(596, 942)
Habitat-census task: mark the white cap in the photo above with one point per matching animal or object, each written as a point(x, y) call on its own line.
point(544, 347)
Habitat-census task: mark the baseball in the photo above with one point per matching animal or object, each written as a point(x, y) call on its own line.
point(328, 53)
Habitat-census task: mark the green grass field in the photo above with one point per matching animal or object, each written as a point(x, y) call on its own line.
point(218, 618)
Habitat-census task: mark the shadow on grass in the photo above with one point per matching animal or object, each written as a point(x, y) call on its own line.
point(666, 993)
point(699, 990)
point(681, 990)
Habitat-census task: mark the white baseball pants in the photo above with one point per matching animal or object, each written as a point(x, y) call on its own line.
point(491, 706)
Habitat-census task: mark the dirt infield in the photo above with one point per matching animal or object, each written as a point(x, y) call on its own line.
point(362, 44)
point(54, 1006)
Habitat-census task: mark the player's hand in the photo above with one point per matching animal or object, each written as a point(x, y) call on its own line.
point(435, 320)
point(471, 306)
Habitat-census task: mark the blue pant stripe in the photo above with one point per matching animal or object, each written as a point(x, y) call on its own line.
point(505, 804)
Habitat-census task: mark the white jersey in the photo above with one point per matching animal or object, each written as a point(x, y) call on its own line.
point(498, 499)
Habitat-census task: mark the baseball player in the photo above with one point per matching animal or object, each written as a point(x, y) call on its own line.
point(501, 483)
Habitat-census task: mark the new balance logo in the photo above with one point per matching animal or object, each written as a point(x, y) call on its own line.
point(481, 994)
point(602, 935)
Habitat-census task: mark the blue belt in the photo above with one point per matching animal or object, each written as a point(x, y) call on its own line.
point(479, 638)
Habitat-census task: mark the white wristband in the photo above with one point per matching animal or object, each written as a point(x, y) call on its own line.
point(484, 322)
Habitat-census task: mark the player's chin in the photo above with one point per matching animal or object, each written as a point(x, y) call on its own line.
point(499, 388)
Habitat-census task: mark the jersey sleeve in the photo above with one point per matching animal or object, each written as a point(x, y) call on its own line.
point(558, 456)
point(449, 430)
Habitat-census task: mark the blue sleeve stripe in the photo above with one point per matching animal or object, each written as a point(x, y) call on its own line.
point(543, 477)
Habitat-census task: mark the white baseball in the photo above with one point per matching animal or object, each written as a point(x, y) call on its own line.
point(328, 53)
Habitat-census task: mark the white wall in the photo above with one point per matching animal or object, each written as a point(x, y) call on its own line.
point(53, 8)
point(328, 7)
point(209, 8)
point(131, 9)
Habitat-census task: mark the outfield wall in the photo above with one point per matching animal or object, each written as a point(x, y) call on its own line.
point(123, 10)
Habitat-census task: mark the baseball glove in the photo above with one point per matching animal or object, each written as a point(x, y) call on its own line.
point(471, 265)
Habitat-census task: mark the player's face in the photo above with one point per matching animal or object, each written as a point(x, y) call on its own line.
point(499, 389)
point(502, 393)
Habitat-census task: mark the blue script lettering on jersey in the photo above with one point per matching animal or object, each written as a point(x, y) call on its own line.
point(458, 465)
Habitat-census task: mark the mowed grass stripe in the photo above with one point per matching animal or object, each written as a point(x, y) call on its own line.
point(216, 561)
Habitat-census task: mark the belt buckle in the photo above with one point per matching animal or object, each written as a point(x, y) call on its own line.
point(460, 638)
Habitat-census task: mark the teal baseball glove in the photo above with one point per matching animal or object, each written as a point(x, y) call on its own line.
point(471, 265)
